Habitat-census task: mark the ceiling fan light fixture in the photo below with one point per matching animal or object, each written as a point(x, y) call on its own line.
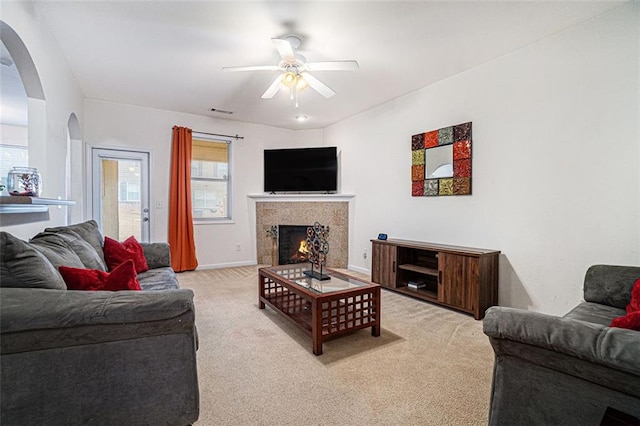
point(302, 84)
point(296, 76)
point(289, 79)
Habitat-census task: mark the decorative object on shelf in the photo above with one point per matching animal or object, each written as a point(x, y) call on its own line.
point(273, 233)
point(318, 247)
point(441, 161)
point(416, 285)
point(24, 181)
point(382, 237)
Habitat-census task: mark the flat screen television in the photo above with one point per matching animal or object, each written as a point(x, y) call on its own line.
point(301, 170)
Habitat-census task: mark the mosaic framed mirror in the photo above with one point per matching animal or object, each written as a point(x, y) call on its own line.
point(441, 161)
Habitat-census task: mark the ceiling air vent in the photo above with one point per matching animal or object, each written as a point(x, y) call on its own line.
point(221, 111)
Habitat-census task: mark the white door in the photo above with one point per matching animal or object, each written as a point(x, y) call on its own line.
point(120, 193)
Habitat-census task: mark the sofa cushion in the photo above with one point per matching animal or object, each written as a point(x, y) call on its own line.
point(88, 231)
point(610, 284)
point(123, 277)
point(85, 251)
point(40, 309)
point(21, 265)
point(595, 313)
point(115, 253)
point(157, 254)
point(158, 279)
point(56, 250)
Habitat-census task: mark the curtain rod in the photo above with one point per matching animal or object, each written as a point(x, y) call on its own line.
point(236, 137)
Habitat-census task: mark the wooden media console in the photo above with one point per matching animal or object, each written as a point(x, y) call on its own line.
point(462, 278)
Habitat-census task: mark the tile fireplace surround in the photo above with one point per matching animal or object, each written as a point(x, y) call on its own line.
point(287, 210)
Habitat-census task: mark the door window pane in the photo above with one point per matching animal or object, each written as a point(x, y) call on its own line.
point(121, 208)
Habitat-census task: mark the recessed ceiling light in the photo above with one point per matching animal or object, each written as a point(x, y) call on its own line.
point(301, 117)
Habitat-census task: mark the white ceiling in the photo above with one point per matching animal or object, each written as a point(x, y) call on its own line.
point(169, 54)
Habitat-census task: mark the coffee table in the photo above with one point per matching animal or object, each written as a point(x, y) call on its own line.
point(322, 309)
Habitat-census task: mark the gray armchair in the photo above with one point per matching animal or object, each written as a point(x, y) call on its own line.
point(567, 370)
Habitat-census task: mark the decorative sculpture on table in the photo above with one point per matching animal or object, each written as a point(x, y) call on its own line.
point(318, 247)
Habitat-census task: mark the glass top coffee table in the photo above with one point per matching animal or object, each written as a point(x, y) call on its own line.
point(322, 309)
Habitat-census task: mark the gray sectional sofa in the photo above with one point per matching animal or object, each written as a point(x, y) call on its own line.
point(92, 357)
point(568, 370)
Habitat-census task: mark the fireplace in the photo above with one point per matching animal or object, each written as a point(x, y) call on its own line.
point(273, 210)
point(292, 246)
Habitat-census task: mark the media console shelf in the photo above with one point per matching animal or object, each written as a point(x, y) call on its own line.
point(462, 278)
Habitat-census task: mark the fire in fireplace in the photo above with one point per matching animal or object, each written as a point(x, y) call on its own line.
point(292, 246)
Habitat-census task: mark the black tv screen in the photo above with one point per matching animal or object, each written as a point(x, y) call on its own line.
point(301, 169)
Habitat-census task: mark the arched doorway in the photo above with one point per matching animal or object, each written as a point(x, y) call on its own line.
point(23, 113)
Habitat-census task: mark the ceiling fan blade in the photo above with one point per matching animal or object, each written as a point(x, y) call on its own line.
point(332, 66)
point(252, 68)
point(273, 89)
point(317, 85)
point(284, 49)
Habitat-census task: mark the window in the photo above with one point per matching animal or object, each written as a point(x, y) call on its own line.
point(12, 156)
point(210, 179)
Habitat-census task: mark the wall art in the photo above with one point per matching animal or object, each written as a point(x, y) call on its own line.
point(441, 162)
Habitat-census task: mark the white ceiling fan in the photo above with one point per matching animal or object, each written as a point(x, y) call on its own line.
point(295, 70)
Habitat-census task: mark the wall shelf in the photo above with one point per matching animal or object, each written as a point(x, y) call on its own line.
point(19, 204)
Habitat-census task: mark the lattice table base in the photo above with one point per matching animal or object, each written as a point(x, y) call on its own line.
point(321, 315)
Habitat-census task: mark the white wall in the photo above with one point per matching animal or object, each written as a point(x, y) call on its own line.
point(116, 125)
point(47, 130)
point(556, 156)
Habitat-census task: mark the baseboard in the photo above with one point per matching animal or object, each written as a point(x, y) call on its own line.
point(359, 269)
point(227, 265)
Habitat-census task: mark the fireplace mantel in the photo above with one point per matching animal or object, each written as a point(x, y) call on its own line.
point(301, 197)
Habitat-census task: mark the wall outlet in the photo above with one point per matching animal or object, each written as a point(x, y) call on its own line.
point(238, 247)
point(364, 254)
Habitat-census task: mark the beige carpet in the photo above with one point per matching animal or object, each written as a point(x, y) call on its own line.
point(430, 366)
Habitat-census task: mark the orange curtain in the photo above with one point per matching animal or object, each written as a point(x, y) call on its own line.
point(181, 239)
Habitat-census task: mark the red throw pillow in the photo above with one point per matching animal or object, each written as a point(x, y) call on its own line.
point(634, 305)
point(630, 321)
point(121, 278)
point(115, 253)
